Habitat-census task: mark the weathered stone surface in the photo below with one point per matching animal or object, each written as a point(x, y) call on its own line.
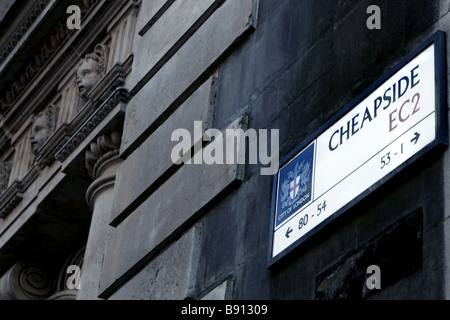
point(181, 74)
point(181, 198)
point(154, 156)
point(166, 35)
point(147, 12)
point(397, 252)
point(170, 275)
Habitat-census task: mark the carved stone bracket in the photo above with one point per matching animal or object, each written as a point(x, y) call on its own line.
point(105, 148)
point(119, 95)
point(11, 204)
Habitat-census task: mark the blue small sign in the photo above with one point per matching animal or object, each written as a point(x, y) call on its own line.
point(295, 184)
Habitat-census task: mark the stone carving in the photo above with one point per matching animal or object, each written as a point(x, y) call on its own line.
point(5, 171)
point(91, 69)
point(69, 145)
point(43, 124)
point(26, 281)
point(105, 148)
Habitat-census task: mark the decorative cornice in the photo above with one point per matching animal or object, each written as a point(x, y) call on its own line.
point(11, 204)
point(38, 61)
point(103, 98)
point(26, 25)
point(119, 95)
point(12, 196)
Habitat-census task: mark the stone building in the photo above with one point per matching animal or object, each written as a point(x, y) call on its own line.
point(98, 200)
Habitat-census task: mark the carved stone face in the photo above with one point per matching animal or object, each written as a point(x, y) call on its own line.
point(40, 131)
point(87, 77)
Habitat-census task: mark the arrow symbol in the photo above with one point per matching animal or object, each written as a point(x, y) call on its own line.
point(416, 138)
point(288, 232)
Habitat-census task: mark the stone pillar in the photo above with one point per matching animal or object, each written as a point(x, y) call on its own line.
point(102, 161)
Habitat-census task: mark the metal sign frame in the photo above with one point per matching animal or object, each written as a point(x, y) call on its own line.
point(441, 139)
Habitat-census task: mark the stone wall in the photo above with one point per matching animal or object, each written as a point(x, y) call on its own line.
point(287, 65)
point(103, 190)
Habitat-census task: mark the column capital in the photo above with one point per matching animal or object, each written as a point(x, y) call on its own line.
point(26, 281)
point(102, 153)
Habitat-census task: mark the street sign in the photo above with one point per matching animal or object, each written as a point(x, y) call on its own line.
point(394, 122)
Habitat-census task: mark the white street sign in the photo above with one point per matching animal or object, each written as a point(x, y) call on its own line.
point(375, 138)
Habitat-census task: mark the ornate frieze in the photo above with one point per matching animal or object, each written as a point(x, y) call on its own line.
point(37, 62)
point(10, 203)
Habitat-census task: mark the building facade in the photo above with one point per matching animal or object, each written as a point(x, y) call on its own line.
point(117, 181)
